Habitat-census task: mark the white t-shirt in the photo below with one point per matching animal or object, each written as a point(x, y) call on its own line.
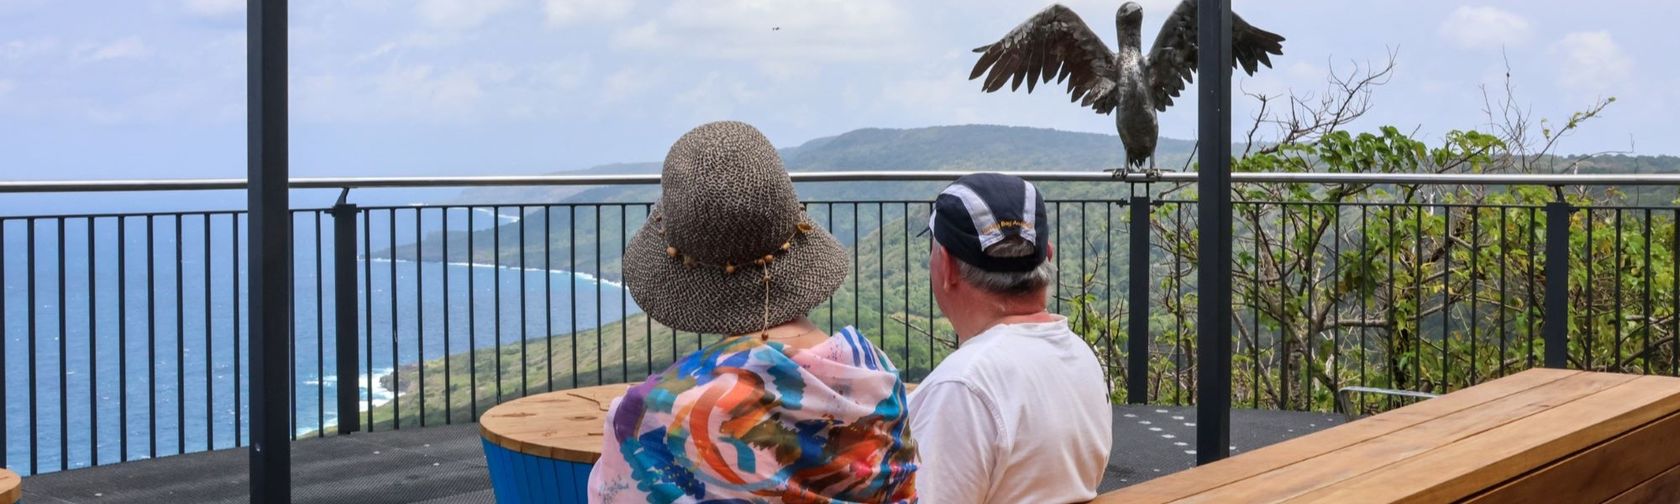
point(1018, 414)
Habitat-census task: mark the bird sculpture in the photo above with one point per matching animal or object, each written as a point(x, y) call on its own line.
point(1055, 43)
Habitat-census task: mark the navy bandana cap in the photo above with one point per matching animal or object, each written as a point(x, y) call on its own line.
point(980, 210)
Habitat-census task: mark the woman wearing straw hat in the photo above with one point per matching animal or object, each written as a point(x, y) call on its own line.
point(780, 411)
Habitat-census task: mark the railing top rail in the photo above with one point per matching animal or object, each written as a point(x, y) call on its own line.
point(44, 186)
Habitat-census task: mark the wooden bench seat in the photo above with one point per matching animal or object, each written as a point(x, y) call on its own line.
point(1537, 436)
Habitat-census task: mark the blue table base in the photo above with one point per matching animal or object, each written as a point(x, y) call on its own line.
point(519, 478)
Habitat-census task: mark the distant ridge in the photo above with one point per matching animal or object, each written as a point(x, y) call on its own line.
point(962, 147)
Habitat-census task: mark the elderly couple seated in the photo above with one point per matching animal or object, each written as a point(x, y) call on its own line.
point(784, 412)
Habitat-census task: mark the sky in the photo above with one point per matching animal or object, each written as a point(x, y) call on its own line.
point(102, 89)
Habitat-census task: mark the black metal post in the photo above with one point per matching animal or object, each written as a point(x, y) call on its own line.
point(1137, 304)
point(1213, 192)
point(270, 250)
point(344, 310)
point(1555, 325)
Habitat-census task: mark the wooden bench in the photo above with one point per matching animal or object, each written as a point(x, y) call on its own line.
point(1539, 436)
point(11, 487)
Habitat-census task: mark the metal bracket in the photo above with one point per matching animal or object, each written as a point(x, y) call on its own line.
point(343, 195)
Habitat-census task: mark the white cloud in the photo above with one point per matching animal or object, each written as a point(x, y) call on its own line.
point(642, 36)
point(21, 49)
point(126, 48)
point(565, 12)
point(1592, 62)
point(627, 83)
point(460, 14)
point(715, 96)
point(1487, 28)
point(816, 30)
point(213, 8)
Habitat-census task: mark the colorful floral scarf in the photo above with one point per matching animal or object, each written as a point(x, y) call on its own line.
point(745, 421)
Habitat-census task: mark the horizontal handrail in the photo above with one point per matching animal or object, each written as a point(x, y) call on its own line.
point(45, 186)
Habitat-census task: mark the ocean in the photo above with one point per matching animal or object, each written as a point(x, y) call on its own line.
point(191, 389)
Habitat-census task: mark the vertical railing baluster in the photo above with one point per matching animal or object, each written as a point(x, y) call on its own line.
point(600, 331)
point(5, 431)
point(1055, 238)
point(623, 294)
point(1556, 324)
point(830, 301)
point(420, 312)
point(1137, 287)
point(496, 292)
point(1254, 297)
point(1533, 322)
point(209, 347)
point(1393, 317)
point(63, 359)
point(1446, 297)
point(472, 311)
point(571, 283)
point(344, 314)
point(367, 309)
point(1335, 301)
point(881, 272)
point(238, 387)
point(647, 322)
point(1645, 353)
point(1365, 299)
point(548, 293)
point(1108, 293)
point(906, 364)
point(524, 335)
point(1475, 287)
point(1285, 355)
point(1417, 287)
point(1504, 298)
point(1309, 335)
point(29, 312)
point(151, 335)
point(1591, 325)
point(93, 349)
point(396, 369)
point(180, 343)
point(1178, 306)
point(448, 318)
point(1616, 290)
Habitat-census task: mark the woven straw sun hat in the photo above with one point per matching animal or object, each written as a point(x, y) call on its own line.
point(728, 249)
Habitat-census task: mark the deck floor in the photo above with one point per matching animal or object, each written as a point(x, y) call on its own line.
point(446, 464)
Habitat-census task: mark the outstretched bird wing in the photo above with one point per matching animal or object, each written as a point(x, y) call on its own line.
point(1054, 42)
point(1172, 61)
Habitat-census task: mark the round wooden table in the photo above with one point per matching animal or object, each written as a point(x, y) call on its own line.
point(540, 448)
point(11, 487)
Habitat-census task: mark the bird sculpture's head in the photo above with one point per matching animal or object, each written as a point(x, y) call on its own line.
point(1130, 14)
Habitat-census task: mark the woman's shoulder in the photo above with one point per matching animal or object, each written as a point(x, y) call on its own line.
point(859, 351)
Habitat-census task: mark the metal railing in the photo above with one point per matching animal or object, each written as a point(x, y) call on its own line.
point(122, 334)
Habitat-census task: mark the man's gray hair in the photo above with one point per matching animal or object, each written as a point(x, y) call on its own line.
point(1009, 283)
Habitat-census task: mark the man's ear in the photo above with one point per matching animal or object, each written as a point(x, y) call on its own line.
point(1049, 251)
point(946, 265)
